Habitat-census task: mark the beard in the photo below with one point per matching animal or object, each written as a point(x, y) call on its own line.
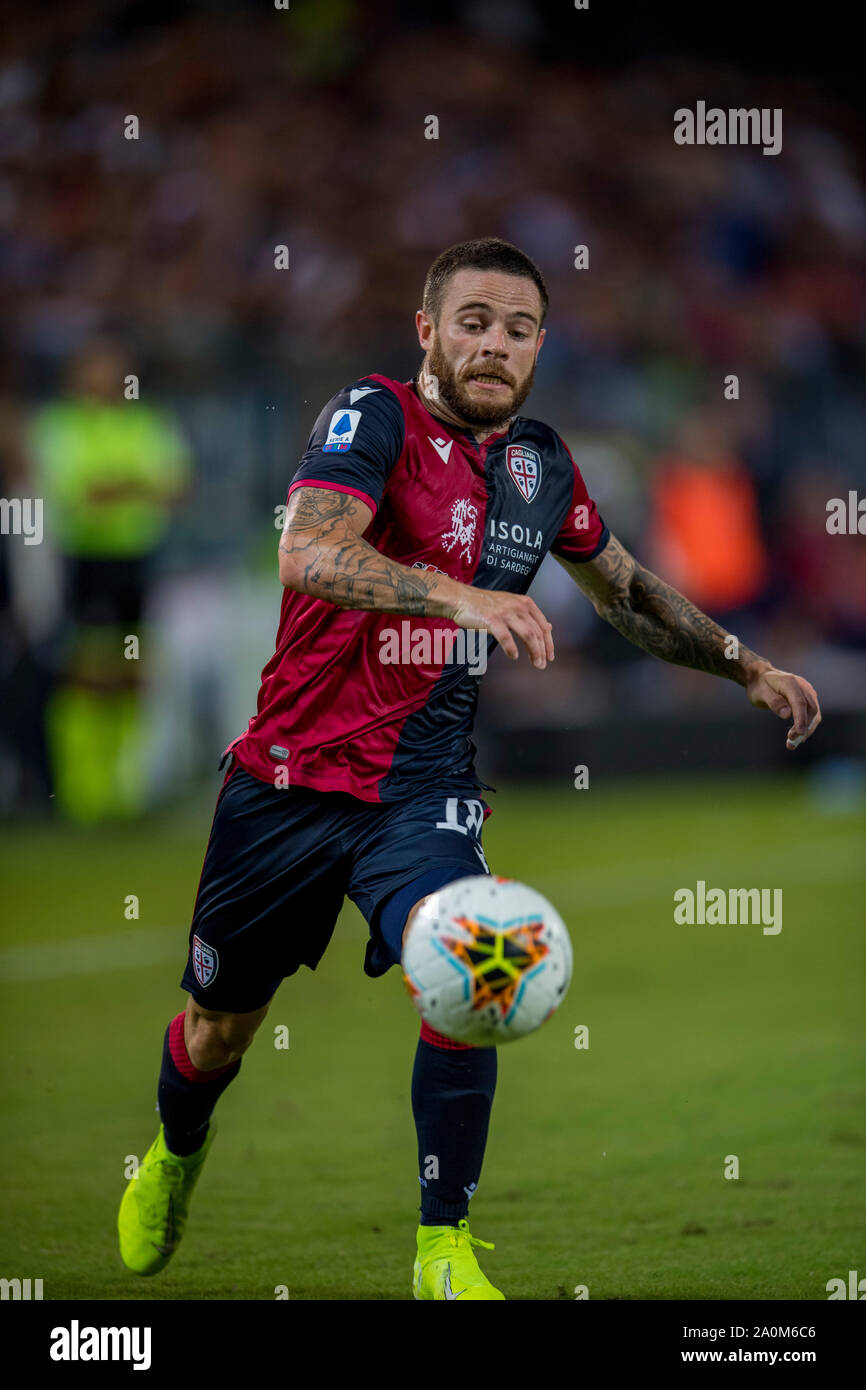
point(454, 392)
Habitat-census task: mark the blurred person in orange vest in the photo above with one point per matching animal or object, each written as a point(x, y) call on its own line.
point(705, 527)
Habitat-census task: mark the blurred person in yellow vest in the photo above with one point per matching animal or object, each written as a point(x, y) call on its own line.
point(110, 468)
point(705, 526)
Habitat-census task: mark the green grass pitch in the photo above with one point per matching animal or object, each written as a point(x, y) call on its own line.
point(605, 1165)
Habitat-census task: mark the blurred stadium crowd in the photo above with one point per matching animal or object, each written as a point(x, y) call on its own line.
point(306, 128)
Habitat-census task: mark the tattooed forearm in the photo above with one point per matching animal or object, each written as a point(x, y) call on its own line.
point(323, 554)
point(657, 618)
point(664, 623)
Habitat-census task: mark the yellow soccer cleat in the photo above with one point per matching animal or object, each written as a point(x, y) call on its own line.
point(155, 1205)
point(446, 1267)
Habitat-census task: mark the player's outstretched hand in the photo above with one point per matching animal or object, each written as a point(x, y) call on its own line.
point(788, 696)
point(507, 616)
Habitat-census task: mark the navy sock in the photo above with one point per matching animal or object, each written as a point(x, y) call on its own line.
point(452, 1093)
point(186, 1095)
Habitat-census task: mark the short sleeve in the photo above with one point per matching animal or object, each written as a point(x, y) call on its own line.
point(355, 443)
point(583, 534)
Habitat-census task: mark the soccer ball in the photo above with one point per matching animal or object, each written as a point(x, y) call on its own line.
point(487, 960)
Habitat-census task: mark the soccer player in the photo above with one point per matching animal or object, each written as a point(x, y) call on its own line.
point(436, 501)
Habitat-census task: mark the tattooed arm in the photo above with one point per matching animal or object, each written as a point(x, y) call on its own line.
point(323, 553)
point(660, 620)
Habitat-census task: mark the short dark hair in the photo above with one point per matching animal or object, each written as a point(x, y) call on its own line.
point(487, 253)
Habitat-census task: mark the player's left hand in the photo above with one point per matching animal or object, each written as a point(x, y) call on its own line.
point(788, 696)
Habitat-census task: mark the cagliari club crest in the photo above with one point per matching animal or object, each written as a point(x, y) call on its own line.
point(205, 961)
point(524, 466)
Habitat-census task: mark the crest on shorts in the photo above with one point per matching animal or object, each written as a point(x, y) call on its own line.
point(205, 961)
point(524, 466)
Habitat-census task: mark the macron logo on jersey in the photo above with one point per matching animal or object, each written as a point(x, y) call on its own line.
point(341, 431)
point(442, 449)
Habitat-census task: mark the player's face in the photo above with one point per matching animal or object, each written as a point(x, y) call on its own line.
point(483, 350)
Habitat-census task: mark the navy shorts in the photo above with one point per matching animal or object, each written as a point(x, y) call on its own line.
point(280, 861)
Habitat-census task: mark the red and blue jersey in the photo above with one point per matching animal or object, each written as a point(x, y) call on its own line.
point(371, 703)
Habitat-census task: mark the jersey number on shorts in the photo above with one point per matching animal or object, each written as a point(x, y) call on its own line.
point(472, 826)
